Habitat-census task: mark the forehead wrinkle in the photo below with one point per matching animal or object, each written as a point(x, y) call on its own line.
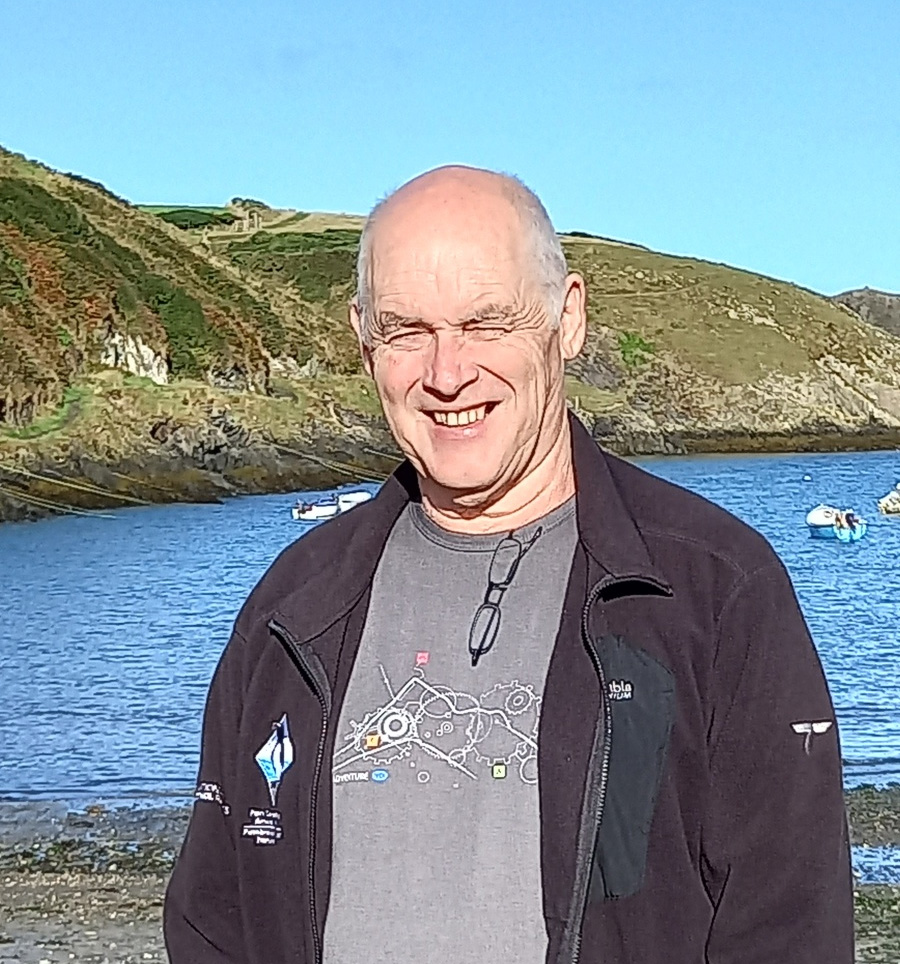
point(449, 283)
point(442, 260)
point(470, 300)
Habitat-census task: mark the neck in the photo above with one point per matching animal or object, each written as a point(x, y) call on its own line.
point(546, 485)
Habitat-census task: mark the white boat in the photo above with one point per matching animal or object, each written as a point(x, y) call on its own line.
point(328, 507)
point(828, 522)
point(314, 511)
point(890, 504)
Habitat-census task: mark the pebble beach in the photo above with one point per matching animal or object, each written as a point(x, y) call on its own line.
point(88, 886)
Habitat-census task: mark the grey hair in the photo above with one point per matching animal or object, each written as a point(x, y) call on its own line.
point(546, 251)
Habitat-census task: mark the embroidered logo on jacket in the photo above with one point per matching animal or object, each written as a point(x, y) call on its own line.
point(620, 689)
point(275, 756)
point(820, 726)
point(263, 826)
point(213, 793)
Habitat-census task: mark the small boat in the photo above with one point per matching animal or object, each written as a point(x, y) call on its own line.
point(314, 511)
point(829, 522)
point(890, 504)
point(328, 507)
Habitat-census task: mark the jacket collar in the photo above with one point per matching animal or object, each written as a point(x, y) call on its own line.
point(606, 526)
point(329, 569)
point(339, 560)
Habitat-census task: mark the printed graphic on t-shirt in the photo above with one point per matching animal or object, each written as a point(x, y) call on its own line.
point(432, 729)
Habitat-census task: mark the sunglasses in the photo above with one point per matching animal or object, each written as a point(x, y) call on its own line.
point(504, 564)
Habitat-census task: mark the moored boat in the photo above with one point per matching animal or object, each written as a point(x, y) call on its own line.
point(328, 507)
point(890, 504)
point(347, 500)
point(314, 511)
point(829, 522)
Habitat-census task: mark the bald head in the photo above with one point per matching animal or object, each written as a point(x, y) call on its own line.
point(454, 204)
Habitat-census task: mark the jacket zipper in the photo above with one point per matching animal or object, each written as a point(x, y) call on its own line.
point(583, 872)
point(320, 687)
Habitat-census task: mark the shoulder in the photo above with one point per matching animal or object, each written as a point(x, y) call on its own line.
point(326, 567)
point(678, 525)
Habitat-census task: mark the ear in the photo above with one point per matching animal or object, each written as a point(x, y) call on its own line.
point(356, 324)
point(573, 321)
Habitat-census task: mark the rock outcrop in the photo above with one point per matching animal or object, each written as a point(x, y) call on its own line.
point(876, 307)
point(132, 354)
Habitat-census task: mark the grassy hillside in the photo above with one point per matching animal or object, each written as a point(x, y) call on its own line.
point(199, 311)
point(680, 353)
point(692, 348)
point(88, 281)
point(190, 217)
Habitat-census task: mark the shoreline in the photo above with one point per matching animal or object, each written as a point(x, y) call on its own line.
point(84, 483)
point(151, 829)
point(89, 885)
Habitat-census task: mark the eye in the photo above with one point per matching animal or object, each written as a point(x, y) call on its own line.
point(408, 339)
point(487, 328)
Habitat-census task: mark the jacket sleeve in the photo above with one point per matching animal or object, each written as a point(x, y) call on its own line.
point(775, 846)
point(201, 915)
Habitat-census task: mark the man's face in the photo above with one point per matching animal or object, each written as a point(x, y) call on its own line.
point(468, 364)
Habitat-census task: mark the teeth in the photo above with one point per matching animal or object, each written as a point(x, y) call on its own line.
point(465, 417)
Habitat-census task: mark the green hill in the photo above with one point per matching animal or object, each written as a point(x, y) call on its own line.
point(173, 351)
point(89, 281)
point(682, 354)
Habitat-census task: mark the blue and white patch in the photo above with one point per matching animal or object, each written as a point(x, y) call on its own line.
point(276, 755)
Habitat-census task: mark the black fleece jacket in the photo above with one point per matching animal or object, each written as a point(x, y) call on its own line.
point(690, 810)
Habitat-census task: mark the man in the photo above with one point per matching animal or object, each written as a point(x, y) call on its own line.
point(528, 704)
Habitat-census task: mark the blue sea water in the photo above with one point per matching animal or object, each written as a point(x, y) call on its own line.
point(111, 626)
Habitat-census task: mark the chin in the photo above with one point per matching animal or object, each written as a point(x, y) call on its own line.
point(459, 479)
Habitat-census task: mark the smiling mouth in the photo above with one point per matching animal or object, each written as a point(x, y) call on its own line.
point(464, 416)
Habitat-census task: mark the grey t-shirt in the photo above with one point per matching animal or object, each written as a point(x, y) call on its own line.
point(436, 853)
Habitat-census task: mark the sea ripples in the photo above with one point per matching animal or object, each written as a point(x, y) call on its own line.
point(112, 627)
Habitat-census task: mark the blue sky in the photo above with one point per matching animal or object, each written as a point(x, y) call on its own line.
point(761, 134)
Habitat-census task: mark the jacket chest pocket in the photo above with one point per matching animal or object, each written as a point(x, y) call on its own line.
point(641, 692)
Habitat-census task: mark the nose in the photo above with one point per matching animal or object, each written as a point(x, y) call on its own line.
point(448, 369)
